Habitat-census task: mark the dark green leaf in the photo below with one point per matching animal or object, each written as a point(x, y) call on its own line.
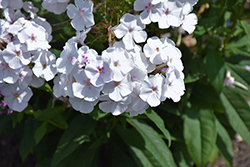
point(81, 157)
point(76, 134)
point(215, 69)
point(199, 133)
point(60, 121)
point(224, 143)
point(28, 141)
point(48, 113)
point(40, 132)
point(153, 116)
point(181, 154)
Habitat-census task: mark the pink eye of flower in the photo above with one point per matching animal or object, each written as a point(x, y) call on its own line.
point(16, 95)
point(157, 49)
point(116, 63)
point(167, 12)
point(18, 53)
point(32, 37)
point(154, 88)
point(100, 70)
point(116, 84)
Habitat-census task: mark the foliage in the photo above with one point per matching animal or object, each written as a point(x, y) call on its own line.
point(174, 134)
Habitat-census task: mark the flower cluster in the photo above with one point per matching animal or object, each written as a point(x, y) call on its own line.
point(168, 13)
point(24, 57)
point(126, 77)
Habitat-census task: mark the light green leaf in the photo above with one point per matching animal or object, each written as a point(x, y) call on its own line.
point(153, 116)
point(246, 27)
point(40, 132)
point(155, 149)
point(237, 112)
point(199, 134)
point(224, 143)
point(76, 134)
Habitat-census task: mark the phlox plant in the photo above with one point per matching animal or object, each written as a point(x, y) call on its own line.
point(125, 83)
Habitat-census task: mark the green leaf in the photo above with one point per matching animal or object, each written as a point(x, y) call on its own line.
point(40, 132)
point(16, 118)
point(199, 133)
point(246, 27)
point(27, 140)
point(46, 87)
point(153, 116)
point(181, 154)
point(152, 145)
point(237, 112)
point(76, 134)
point(83, 156)
point(48, 113)
point(242, 76)
point(60, 121)
point(215, 69)
point(224, 143)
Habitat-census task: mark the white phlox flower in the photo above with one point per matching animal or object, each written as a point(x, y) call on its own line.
point(82, 105)
point(11, 16)
point(170, 16)
point(188, 20)
point(4, 35)
point(15, 4)
point(115, 108)
point(137, 105)
point(192, 2)
point(99, 72)
point(3, 4)
point(24, 77)
point(29, 7)
point(7, 74)
point(45, 65)
point(16, 55)
point(118, 90)
point(130, 29)
point(36, 82)
point(15, 97)
point(58, 88)
point(137, 74)
point(174, 85)
point(155, 49)
point(18, 25)
point(68, 58)
point(55, 6)
point(119, 62)
point(80, 37)
point(34, 36)
point(151, 10)
point(85, 56)
point(81, 14)
point(48, 29)
point(82, 88)
point(151, 91)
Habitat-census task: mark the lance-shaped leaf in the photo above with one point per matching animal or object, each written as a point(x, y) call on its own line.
point(76, 134)
point(224, 143)
point(82, 156)
point(215, 69)
point(237, 112)
point(153, 116)
point(199, 133)
point(147, 145)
